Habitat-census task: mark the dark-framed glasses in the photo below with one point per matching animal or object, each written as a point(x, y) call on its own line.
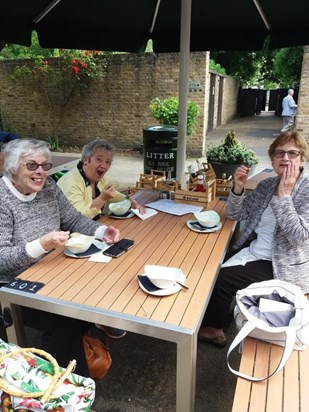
point(32, 166)
point(292, 154)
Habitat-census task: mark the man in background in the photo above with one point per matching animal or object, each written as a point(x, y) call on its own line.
point(288, 111)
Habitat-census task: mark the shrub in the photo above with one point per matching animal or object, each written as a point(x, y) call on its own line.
point(231, 151)
point(166, 112)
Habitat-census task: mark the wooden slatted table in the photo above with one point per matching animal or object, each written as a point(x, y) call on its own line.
point(109, 293)
point(255, 179)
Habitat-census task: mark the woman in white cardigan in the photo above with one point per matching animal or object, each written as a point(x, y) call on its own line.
point(276, 216)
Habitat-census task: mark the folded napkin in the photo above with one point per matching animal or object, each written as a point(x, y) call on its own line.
point(148, 213)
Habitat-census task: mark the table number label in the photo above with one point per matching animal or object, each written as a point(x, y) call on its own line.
point(25, 285)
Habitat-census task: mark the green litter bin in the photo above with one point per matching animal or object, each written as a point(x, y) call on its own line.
point(160, 148)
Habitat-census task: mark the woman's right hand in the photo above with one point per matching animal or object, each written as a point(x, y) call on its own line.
point(108, 192)
point(54, 239)
point(240, 179)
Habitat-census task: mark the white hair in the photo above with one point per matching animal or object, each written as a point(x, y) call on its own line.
point(16, 149)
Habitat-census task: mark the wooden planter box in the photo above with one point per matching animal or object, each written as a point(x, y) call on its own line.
point(223, 187)
point(197, 198)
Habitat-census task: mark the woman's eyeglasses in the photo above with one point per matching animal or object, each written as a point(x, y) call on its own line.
point(292, 154)
point(34, 166)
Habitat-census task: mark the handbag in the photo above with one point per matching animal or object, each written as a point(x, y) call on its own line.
point(98, 357)
point(38, 383)
point(274, 311)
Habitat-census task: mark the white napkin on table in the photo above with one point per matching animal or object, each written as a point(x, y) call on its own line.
point(148, 213)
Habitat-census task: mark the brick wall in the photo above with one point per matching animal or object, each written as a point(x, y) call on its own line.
point(117, 108)
point(302, 118)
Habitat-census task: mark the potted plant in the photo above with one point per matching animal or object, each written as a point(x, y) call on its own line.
point(230, 154)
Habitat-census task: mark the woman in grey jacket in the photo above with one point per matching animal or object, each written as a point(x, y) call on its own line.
point(35, 218)
point(276, 230)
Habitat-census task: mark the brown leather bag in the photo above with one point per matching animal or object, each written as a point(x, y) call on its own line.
point(98, 357)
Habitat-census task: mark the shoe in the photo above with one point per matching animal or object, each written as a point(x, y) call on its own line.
point(219, 341)
point(112, 333)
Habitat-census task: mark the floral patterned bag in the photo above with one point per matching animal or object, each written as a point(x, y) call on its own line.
point(31, 383)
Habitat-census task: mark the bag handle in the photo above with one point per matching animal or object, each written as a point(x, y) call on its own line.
point(243, 333)
point(57, 379)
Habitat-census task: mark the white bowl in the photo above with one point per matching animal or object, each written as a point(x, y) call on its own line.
point(79, 243)
point(120, 208)
point(161, 276)
point(209, 218)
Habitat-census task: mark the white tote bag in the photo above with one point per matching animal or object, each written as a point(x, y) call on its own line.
point(273, 311)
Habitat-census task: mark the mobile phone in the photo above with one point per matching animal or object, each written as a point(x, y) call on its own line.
point(119, 248)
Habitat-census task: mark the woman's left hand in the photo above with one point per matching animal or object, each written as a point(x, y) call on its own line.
point(288, 180)
point(111, 234)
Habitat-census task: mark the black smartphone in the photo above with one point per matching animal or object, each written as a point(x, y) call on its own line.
point(119, 248)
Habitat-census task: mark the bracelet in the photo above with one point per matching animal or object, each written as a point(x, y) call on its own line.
point(237, 194)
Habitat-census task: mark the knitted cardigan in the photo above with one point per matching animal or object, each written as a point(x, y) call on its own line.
point(290, 250)
point(24, 221)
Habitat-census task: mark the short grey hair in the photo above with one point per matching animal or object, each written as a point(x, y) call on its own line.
point(18, 148)
point(90, 148)
point(290, 91)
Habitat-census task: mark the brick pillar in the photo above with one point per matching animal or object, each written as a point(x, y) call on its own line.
point(302, 118)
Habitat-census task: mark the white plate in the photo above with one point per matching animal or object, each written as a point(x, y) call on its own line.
point(96, 246)
point(113, 216)
point(195, 229)
point(160, 292)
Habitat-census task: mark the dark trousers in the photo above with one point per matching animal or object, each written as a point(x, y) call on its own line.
point(229, 281)
point(61, 337)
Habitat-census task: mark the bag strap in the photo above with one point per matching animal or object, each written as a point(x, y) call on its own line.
point(56, 380)
point(243, 333)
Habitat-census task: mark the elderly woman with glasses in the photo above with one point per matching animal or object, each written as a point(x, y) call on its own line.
point(35, 218)
point(274, 242)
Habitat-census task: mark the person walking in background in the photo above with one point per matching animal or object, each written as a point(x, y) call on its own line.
point(288, 111)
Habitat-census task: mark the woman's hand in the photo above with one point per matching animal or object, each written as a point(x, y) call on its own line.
point(136, 205)
point(107, 193)
point(288, 180)
point(240, 179)
point(54, 239)
point(111, 234)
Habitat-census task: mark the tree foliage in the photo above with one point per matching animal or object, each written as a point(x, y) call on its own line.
point(266, 68)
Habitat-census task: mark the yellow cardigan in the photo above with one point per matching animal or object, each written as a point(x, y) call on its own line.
point(73, 186)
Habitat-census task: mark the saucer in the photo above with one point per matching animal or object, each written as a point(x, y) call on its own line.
point(127, 215)
point(149, 287)
point(94, 248)
point(191, 225)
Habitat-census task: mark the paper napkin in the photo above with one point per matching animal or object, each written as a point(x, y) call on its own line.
point(148, 213)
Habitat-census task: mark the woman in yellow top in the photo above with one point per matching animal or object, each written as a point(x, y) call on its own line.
point(86, 186)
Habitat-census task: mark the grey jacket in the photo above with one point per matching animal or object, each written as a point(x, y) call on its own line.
point(22, 222)
point(290, 253)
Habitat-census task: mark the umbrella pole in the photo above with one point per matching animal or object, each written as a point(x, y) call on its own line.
point(183, 85)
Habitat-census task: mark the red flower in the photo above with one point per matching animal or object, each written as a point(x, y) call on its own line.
point(40, 68)
point(87, 53)
point(73, 61)
point(31, 362)
point(75, 69)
